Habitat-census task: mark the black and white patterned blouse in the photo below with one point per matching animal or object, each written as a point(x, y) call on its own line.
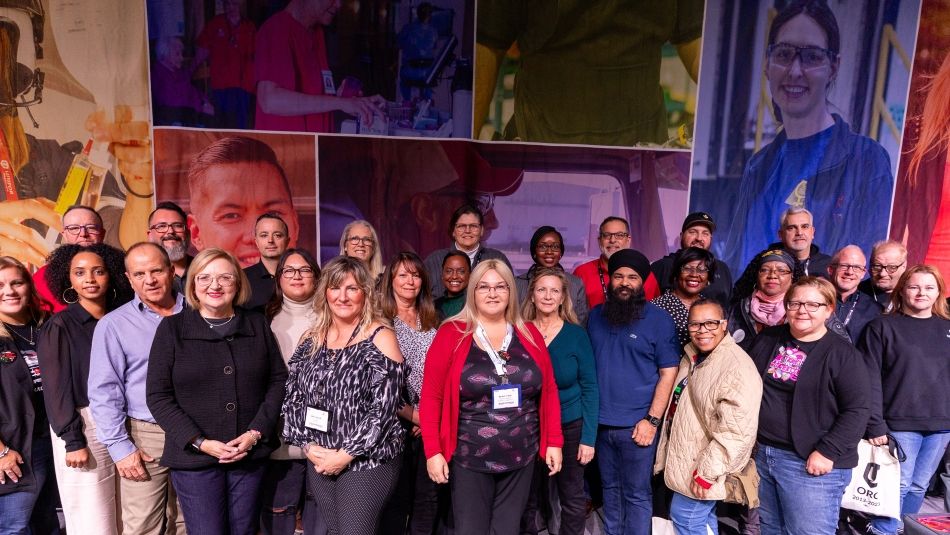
point(361, 389)
point(678, 311)
point(414, 345)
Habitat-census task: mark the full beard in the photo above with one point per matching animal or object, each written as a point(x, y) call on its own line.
point(176, 249)
point(620, 310)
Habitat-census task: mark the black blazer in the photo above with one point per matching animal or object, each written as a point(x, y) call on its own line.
point(830, 406)
point(200, 384)
point(17, 417)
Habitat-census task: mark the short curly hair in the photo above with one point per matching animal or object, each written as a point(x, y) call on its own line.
point(59, 261)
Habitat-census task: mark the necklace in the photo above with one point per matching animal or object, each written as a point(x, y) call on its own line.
point(29, 340)
point(212, 325)
point(548, 330)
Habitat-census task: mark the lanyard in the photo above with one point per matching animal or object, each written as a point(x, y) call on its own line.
point(847, 319)
point(600, 275)
point(6, 170)
point(498, 358)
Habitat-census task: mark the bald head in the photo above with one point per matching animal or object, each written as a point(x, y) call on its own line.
point(846, 270)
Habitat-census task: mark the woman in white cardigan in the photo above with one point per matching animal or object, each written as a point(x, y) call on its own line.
point(711, 420)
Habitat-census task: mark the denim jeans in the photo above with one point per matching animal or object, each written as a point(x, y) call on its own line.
point(794, 502)
point(283, 494)
point(220, 500)
point(924, 453)
point(32, 511)
point(691, 516)
point(625, 470)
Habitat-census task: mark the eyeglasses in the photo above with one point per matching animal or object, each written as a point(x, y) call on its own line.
point(710, 325)
point(692, 270)
point(876, 269)
point(768, 272)
point(162, 228)
point(810, 306)
point(811, 57)
point(549, 247)
point(470, 227)
point(76, 230)
point(225, 280)
point(356, 240)
point(486, 289)
point(849, 267)
point(614, 235)
point(291, 272)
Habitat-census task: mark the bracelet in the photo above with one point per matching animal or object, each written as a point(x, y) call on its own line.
point(5, 452)
point(257, 435)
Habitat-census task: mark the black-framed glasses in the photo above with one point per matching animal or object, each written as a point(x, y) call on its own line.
point(614, 235)
point(891, 269)
point(549, 247)
point(226, 280)
point(467, 227)
point(76, 230)
point(710, 325)
point(857, 268)
point(811, 57)
point(162, 228)
point(810, 306)
point(356, 240)
point(290, 272)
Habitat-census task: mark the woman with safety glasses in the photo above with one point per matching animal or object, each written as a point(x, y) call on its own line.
point(815, 161)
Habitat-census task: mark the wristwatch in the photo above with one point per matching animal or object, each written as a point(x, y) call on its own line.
point(196, 444)
point(654, 421)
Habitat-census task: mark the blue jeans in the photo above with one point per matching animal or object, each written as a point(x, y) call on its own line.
point(222, 499)
point(691, 516)
point(924, 452)
point(32, 510)
point(625, 470)
point(794, 502)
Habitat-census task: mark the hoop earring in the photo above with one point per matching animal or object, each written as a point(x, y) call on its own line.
point(66, 300)
point(115, 294)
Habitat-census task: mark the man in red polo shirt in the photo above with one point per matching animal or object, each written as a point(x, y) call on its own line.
point(613, 236)
point(227, 41)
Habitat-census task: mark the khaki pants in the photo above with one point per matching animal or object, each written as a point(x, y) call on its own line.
point(148, 506)
point(88, 494)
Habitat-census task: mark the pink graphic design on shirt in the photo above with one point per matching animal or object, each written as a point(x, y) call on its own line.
point(786, 364)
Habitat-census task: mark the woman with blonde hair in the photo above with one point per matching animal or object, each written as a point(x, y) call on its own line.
point(359, 240)
point(549, 307)
point(906, 350)
point(215, 383)
point(343, 396)
point(489, 405)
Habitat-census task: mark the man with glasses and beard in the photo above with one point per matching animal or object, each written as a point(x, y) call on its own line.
point(167, 226)
point(636, 352)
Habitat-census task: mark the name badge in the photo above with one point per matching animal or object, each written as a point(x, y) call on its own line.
point(328, 86)
point(506, 397)
point(317, 419)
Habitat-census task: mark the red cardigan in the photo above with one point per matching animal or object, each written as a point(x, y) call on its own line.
point(439, 402)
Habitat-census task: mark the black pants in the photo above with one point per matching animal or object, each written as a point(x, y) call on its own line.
point(416, 497)
point(566, 488)
point(485, 504)
point(283, 494)
point(350, 503)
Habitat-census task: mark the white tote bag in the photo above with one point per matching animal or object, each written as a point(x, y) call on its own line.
point(875, 486)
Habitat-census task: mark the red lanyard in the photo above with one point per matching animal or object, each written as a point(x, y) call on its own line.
point(6, 170)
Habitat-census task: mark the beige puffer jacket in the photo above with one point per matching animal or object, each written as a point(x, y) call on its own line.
point(715, 422)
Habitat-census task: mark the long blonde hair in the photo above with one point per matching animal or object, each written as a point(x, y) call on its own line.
point(934, 119)
point(468, 316)
point(566, 311)
point(332, 276)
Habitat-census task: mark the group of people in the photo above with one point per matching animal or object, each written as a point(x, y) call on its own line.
point(174, 394)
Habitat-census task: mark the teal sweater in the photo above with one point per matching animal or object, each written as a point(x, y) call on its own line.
point(576, 375)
